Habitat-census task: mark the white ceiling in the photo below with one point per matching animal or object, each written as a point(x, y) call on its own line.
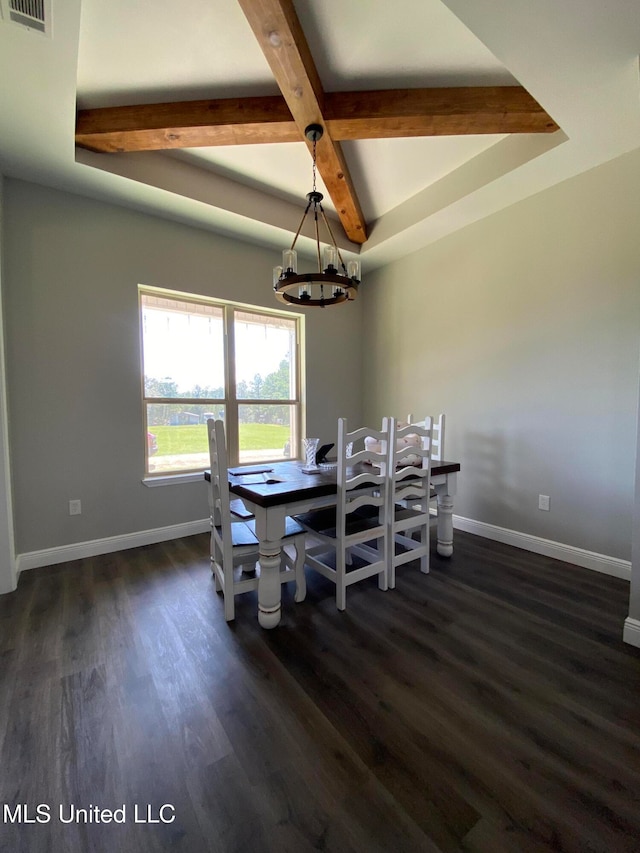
point(578, 58)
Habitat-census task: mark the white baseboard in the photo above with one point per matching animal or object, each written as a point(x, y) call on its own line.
point(567, 553)
point(79, 550)
point(631, 633)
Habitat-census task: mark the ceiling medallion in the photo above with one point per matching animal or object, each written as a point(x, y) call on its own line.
point(328, 286)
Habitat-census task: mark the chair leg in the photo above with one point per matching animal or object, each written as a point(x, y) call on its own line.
point(215, 575)
point(391, 560)
point(341, 586)
point(383, 577)
point(301, 580)
point(229, 601)
point(224, 584)
point(226, 580)
point(424, 539)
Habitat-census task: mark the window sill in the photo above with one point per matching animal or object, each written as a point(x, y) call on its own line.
point(174, 479)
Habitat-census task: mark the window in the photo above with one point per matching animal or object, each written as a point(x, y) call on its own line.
point(211, 359)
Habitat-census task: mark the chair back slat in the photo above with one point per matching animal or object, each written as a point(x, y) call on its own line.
point(413, 491)
point(437, 435)
point(364, 500)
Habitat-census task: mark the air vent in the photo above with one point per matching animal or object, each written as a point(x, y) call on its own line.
point(33, 14)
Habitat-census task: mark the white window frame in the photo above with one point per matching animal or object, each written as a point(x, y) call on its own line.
point(230, 401)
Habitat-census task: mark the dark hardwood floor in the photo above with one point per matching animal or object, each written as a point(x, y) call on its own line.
point(490, 706)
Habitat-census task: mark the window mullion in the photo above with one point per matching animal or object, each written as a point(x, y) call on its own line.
point(231, 420)
point(298, 428)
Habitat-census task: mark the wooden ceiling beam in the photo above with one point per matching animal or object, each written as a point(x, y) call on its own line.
point(387, 114)
point(279, 34)
point(383, 114)
point(190, 124)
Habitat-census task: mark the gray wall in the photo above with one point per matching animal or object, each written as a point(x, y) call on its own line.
point(634, 596)
point(8, 577)
point(72, 267)
point(524, 329)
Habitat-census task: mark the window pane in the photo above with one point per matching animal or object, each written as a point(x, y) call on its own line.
point(177, 436)
point(182, 345)
point(266, 432)
point(265, 357)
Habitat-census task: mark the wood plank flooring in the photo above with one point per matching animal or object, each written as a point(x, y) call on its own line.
point(489, 706)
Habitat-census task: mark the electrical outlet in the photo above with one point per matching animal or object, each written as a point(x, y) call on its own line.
point(75, 508)
point(543, 502)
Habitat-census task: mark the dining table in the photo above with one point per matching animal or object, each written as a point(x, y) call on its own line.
point(275, 490)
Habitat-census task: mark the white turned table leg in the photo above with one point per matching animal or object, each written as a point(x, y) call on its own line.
point(269, 585)
point(445, 525)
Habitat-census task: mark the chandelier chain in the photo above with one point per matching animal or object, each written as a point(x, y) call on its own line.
point(315, 142)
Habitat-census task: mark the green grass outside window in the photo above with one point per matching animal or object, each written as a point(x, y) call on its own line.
point(177, 440)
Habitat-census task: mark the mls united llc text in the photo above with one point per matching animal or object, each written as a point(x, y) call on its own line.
point(69, 813)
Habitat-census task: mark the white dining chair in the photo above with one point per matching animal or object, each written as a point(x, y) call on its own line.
point(352, 537)
point(437, 435)
point(408, 493)
point(437, 448)
point(234, 545)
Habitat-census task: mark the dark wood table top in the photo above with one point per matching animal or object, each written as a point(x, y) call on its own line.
point(292, 484)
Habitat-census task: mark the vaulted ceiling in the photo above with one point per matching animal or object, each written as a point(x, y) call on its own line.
point(435, 113)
